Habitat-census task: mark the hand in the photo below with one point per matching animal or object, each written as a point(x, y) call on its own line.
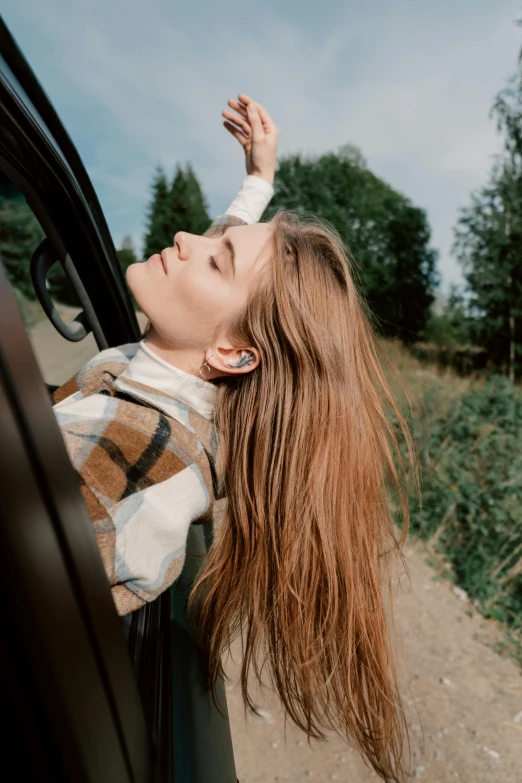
point(255, 130)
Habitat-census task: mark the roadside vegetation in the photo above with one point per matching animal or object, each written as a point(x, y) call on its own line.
point(468, 436)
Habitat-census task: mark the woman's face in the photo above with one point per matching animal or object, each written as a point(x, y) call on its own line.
point(189, 289)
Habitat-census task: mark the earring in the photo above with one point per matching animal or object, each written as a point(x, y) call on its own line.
point(208, 369)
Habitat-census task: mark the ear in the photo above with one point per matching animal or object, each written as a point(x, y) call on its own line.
point(233, 360)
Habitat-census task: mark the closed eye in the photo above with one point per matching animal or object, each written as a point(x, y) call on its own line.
point(212, 263)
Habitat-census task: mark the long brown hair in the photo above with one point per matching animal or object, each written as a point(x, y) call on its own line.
point(312, 446)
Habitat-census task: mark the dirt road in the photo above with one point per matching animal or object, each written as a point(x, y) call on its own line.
point(466, 698)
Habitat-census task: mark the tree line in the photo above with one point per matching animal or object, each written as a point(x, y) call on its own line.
point(388, 237)
point(386, 234)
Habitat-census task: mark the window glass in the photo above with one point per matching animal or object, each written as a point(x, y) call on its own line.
point(20, 235)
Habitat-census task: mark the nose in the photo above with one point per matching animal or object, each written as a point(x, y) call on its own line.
point(182, 243)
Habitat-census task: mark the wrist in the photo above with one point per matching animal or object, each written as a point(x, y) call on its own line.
point(268, 176)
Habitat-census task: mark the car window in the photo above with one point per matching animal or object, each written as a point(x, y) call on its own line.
point(20, 235)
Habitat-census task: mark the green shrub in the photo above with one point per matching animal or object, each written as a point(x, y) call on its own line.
point(472, 493)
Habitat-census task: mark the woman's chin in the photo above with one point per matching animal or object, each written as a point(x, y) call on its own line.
point(136, 283)
point(134, 275)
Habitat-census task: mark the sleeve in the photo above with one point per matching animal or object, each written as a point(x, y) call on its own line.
point(246, 208)
point(252, 199)
point(142, 540)
point(144, 481)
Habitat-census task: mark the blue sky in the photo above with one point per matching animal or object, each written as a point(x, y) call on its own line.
point(411, 83)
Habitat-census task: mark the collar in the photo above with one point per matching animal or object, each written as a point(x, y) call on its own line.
point(148, 369)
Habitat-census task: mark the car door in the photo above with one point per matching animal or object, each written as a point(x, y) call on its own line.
point(88, 702)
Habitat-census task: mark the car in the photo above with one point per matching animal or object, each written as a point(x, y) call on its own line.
point(86, 696)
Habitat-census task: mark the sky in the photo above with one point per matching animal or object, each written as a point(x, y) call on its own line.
point(142, 82)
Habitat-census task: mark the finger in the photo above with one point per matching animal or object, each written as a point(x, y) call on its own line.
point(243, 124)
point(258, 132)
point(231, 126)
point(237, 107)
point(237, 133)
point(266, 119)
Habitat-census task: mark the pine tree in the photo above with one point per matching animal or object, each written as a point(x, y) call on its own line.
point(187, 207)
point(159, 230)
point(198, 218)
point(178, 201)
point(488, 245)
point(178, 207)
point(488, 241)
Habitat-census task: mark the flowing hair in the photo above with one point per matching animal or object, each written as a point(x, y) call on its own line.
point(312, 447)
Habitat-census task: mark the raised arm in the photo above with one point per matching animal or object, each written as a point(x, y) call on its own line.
point(255, 130)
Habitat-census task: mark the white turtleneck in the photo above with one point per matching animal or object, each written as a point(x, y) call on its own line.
point(151, 370)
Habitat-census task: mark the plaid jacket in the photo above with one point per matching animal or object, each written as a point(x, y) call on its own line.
point(145, 462)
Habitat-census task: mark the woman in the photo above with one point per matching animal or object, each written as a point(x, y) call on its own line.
point(257, 380)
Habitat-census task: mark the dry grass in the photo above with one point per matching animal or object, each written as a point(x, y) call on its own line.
point(424, 392)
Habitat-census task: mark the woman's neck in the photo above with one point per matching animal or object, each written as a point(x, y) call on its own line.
point(184, 359)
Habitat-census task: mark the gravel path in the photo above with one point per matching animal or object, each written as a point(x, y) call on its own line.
point(465, 698)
